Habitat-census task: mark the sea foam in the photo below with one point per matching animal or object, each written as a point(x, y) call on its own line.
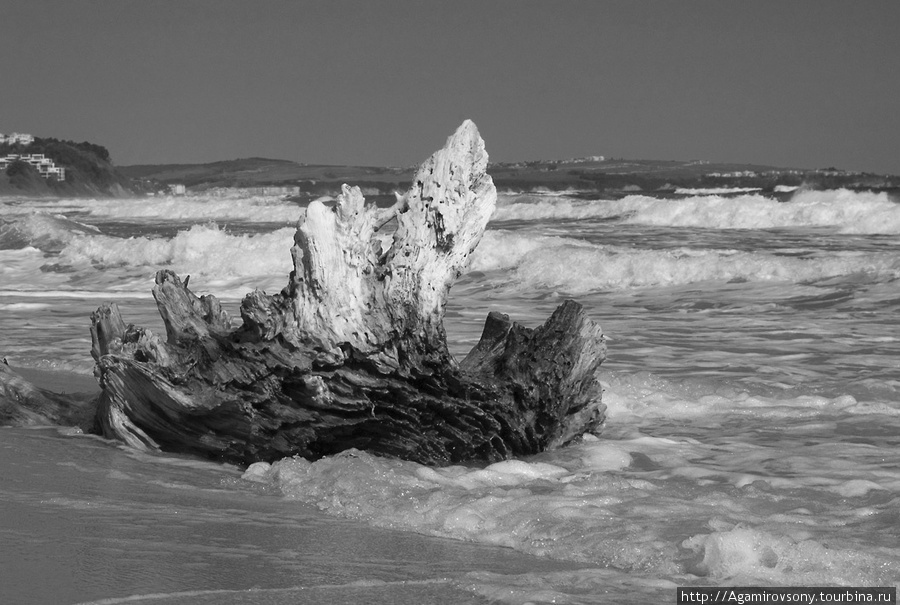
point(664, 506)
point(712, 507)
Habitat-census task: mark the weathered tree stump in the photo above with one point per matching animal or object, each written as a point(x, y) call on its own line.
point(352, 353)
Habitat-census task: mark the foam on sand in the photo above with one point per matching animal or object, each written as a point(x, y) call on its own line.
point(663, 506)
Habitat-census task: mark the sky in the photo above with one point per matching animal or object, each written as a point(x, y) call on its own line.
point(800, 83)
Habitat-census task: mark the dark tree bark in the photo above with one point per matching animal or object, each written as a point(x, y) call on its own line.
point(352, 352)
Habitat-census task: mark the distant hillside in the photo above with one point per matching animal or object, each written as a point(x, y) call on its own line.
point(619, 176)
point(591, 176)
point(89, 171)
point(261, 172)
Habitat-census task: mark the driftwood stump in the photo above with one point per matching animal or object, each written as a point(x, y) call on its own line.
point(352, 353)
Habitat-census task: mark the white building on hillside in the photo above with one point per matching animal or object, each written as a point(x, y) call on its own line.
point(45, 166)
point(17, 137)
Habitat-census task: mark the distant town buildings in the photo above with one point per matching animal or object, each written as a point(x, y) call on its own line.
point(585, 160)
point(16, 137)
point(771, 173)
point(733, 175)
point(45, 166)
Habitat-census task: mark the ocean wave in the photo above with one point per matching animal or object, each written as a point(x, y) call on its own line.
point(846, 211)
point(46, 232)
point(206, 250)
point(575, 266)
point(95, 266)
point(644, 396)
point(66, 251)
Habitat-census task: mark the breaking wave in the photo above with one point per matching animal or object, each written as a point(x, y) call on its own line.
point(220, 259)
point(54, 253)
point(46, 232)
point(846, 211)
point(575, 266)
point(205, 249)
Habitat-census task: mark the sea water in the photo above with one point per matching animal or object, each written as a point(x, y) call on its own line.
point(753, 387)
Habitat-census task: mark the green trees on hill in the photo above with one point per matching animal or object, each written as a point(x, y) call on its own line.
point(25, 177)
point(89, 170)
point(56, 149)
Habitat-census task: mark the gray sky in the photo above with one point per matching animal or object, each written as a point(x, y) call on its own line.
point(797, 83)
